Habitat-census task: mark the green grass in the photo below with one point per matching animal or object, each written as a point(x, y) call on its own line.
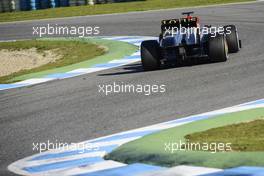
point(107, 9)
point(247, 136)
point(151, 148)
point(78, 53)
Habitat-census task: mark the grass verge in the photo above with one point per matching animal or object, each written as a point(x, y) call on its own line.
point(108, 9)
point(246, 136)
point(151, 149)
point(77, 53)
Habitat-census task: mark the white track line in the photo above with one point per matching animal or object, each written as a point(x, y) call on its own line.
point(61, 159)
point(184, 171)
point(35, 81)
point(91, 168)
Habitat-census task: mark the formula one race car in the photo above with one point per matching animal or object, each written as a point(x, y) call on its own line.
point(183, 39)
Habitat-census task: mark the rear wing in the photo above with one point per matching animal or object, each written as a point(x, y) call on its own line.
point(178, 23)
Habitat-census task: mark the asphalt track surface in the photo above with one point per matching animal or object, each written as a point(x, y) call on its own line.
point(72, 110)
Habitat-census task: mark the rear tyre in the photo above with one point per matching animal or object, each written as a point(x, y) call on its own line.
point(150, 55)
point(218, 49)
point(232, 39)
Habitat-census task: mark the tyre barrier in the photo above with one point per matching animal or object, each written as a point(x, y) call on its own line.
point(35, 4)
point(15, 5)
point(64, 3)
point(5, 6)
point(39, 4)
point(77, 2)
point(44, 4)
point(54, 3)
point(24, 5)
point(9, 5)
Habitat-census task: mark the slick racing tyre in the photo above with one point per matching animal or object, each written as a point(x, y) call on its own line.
point(217, 48)
point(150, 55)
point(232, 39)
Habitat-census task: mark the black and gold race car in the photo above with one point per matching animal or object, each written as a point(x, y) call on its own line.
point(184, 39)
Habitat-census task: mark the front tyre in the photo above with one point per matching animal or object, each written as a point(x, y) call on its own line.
point(218, 49)
point(150, 55)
